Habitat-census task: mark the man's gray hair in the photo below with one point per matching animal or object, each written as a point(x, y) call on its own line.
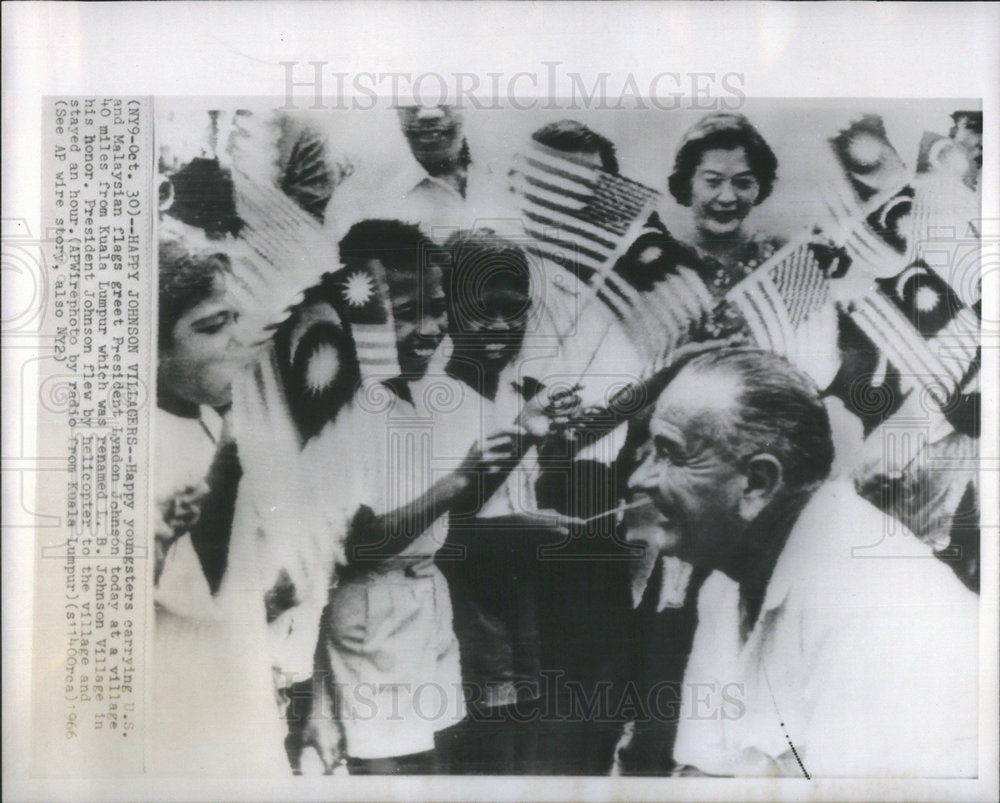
point(778, 411)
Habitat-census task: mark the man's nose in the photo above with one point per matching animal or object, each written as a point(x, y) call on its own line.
point(645, 477)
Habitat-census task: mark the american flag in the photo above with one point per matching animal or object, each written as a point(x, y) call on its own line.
point(778, 297)
point(586, 219)
point(581, 217)
point(576, 210)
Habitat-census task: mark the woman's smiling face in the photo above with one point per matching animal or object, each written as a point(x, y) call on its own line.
point(723, 191)
point(204, 353)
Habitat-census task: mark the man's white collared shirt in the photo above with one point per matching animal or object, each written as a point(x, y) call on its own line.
point(863, 659)
point(407, 192)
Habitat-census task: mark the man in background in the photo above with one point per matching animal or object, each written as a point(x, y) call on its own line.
point(438, 186)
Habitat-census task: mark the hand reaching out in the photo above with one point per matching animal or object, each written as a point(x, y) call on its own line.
point(179, 512)
point(497, 452)
point(546, 411)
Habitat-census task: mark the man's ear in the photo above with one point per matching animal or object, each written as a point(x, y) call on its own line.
point(762, 479)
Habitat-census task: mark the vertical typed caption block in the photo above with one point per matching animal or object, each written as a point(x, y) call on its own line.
point(90, 611)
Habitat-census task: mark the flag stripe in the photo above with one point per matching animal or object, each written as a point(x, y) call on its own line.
point(552, 217)
point(761, 306)
point(778, 297)
point(584, 180)
point(901, 343)
point(547, 159)
point(577, 247)
point(905, 342)
point(685, 297)
point(553, 185)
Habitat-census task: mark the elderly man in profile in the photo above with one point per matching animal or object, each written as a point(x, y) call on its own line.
point(812, 658)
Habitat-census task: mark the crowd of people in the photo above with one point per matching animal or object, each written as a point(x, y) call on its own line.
point(469, 507)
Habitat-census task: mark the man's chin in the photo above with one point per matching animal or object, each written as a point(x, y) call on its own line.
point(673, 544)
point(652, 535)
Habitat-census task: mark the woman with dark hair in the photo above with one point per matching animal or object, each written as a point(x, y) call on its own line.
point(198, 355)
point(722, 170)
point(198, 358)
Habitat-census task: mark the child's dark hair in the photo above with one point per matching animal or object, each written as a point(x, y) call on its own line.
point(186, 278)
point(478, 259)
point(573, 137)
point(395, 244)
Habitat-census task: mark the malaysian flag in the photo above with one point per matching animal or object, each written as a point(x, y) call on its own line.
point(876, 235)
point(891, 220)
point(779, 297)
point(673, 295)
point(870, 202)
point(883, 216)
point(363, 296)
point(924, 329)
point(871, 164)
point(344, 322)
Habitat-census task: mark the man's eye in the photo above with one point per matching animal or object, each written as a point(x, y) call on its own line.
point(667, 453)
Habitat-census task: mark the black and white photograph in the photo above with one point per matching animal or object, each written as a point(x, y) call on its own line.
point(500, 401)
point(632, 441)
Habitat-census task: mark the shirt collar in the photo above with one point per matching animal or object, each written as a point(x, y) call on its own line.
point(413, 175)
point(800, 548)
